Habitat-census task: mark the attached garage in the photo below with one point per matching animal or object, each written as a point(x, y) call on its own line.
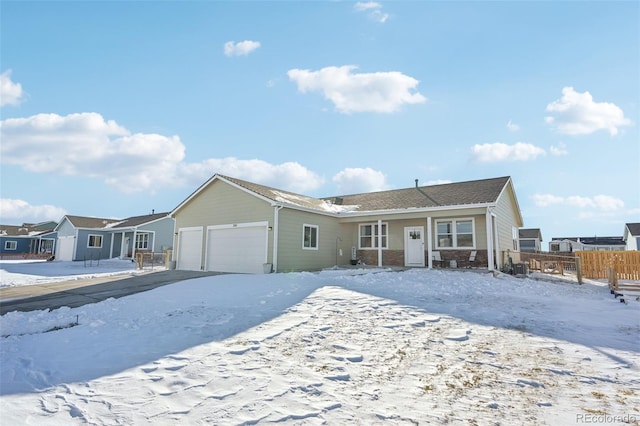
point(240, 248)
point(64, 248)
point(190, 249)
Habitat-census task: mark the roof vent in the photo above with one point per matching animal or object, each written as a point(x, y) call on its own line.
point(416, 183)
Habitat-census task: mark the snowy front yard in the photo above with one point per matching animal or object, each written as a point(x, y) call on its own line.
point(336, 347)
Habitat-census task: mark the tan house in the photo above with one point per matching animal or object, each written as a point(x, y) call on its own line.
point(231, 225)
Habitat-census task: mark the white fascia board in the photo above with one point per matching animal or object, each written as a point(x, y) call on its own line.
point(416, 210)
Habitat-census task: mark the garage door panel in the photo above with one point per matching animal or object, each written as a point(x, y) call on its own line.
point(237, 249)
point(189, 249)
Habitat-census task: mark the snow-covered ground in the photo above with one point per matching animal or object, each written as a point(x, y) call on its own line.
point(336, 347)
point(15, 273)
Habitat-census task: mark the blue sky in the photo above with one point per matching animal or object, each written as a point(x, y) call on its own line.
point(112, 109)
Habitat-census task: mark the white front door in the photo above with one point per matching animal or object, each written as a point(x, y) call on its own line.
point(414, 246)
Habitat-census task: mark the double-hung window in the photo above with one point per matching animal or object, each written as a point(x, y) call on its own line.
point(369, 235)
point(10, 245)
point(310, 237)
point(95, 241)
point(455, 233)
point(142, 241)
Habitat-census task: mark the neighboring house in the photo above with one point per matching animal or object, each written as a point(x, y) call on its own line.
point(231, 225)
point(84, 238)
point(571, 244)
point(530, 240)
point(631, 236)
point(28, 239)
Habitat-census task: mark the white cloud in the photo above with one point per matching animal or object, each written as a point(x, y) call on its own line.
point(359, 180)
point(512, 126)
point(290, 176)
point(598, 202)
point(496, 152)
point(436, 182)
point(545, 200)
point(12, 209)
point(373, 11)
point(10, 93)
point(241, 48)
point(87, 145)
point(359, 92)
point(559, 150)
point(577, 114)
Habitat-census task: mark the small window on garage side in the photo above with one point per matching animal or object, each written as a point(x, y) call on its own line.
point(95, 241)
point(10, 245)
point(310, 237)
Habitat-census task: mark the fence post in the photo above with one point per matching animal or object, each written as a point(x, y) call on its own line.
point(579, 269)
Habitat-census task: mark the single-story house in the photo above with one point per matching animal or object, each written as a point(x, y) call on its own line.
point(28, 239)
point(231, 225)
point(631, 236)
point(91, 238)
point(530, 240)
point(572, 244)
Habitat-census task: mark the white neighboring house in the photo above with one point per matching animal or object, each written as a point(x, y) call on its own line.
point(530, 239)
point(571, 244)
point(631, 236)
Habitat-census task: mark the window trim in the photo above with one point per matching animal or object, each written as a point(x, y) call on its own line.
point(454, 234)
point(9, 243)
point(146, 240)
point(317, 239)
point(94, 235)
point(374, 236)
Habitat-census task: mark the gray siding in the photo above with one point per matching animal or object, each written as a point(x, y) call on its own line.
point(83, 252)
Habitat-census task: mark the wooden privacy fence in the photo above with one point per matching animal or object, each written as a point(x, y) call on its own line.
point(596, 264)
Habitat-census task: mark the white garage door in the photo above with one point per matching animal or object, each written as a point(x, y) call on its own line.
point(189, 249)
point(64, 248)
point(238, 248)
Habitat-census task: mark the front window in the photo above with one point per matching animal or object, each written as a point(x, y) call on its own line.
point(142, 241)
point(310, 237)
point(10, 245)
point(95, 241)
point(369, 235)
point(455, 233)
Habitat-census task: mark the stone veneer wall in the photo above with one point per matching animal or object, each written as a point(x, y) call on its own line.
point(396, 257)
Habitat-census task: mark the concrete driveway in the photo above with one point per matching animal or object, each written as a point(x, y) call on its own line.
point(81, 292)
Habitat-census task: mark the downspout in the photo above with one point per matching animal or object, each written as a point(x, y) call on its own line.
point(489, 240)
point(379, 242)
point(111, 245)
point(496, 240)
point(276, 223)
point(429, 243)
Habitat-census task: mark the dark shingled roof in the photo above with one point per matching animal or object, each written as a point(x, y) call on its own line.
point(140, 220)
point(634, 228)
point(90, 222)
point(451, 194)
point(530, 233)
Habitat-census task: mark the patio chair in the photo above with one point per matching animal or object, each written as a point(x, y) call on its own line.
point(472, 258)
point(437, 259)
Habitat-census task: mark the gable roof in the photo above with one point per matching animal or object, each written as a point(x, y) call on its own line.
point(139, 220)
point(89, 222)
point(478, 192)
point(27, 229)
point(634, 229)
